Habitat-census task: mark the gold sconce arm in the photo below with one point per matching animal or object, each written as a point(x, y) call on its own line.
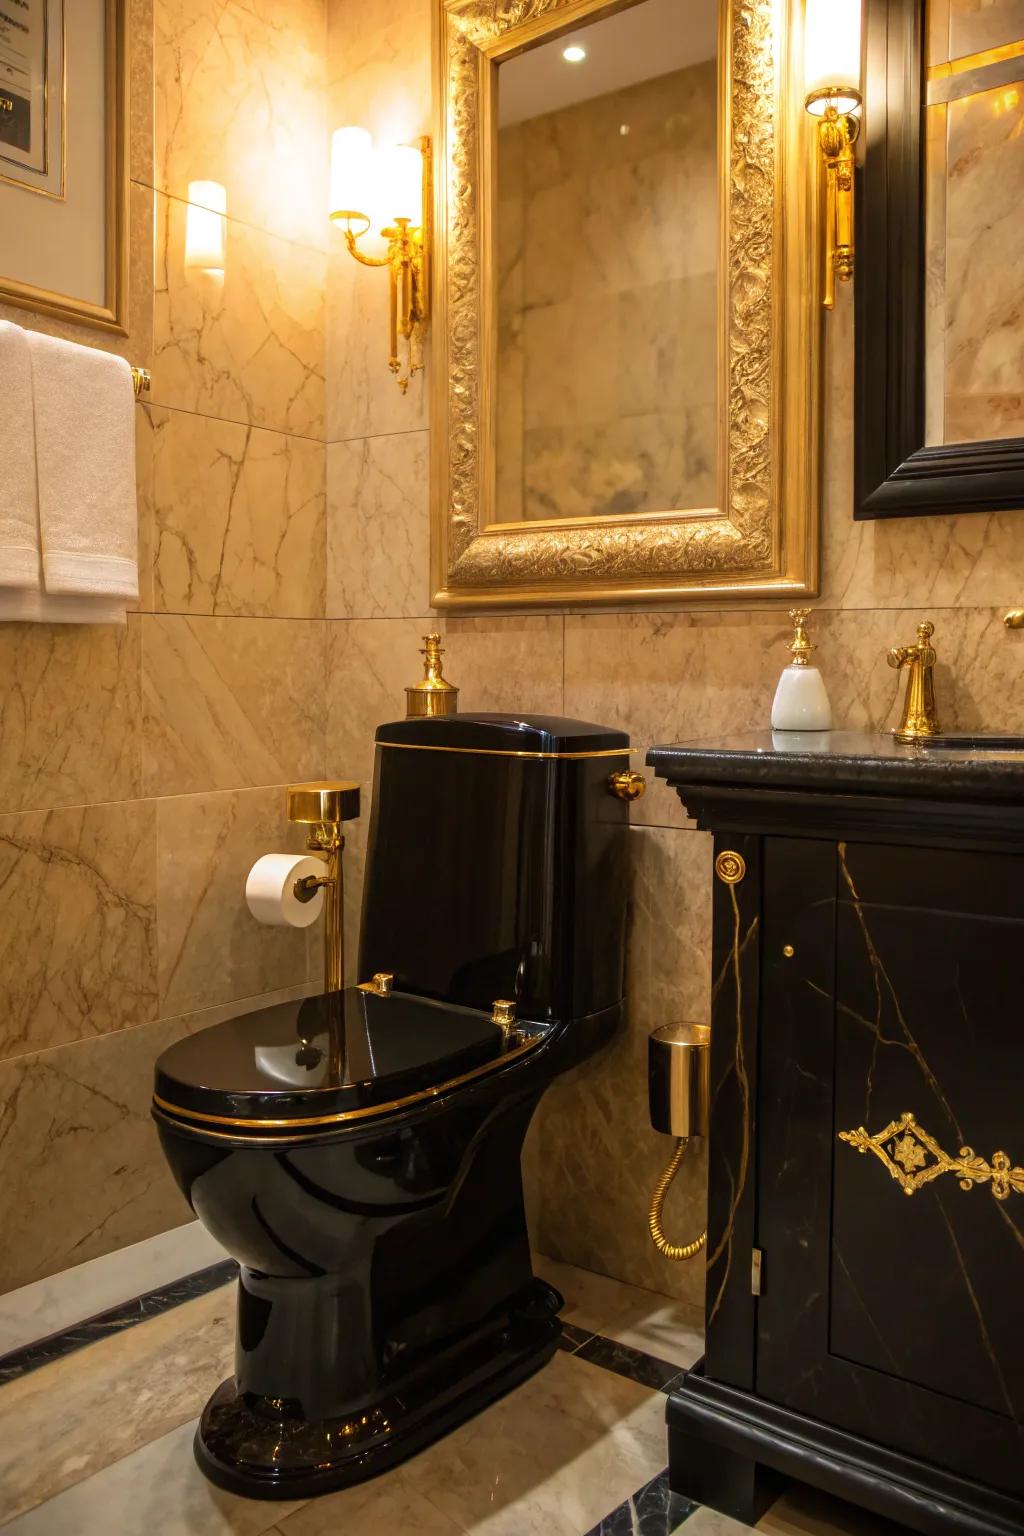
point(408, 263)
point(837, 134)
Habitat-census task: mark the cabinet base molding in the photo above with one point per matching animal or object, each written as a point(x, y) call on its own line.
point(731, 1450)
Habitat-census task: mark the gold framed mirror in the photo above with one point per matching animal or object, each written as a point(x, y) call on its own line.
point(715, 494)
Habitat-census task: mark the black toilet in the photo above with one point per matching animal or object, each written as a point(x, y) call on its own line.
point(359, 1152)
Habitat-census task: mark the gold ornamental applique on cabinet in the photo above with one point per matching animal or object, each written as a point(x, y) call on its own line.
point(914, 1158)
point(761, 535)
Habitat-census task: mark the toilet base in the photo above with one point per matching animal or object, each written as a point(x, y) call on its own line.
point(263, 1448)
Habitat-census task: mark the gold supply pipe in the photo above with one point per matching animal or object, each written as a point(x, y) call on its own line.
point(661, 1242)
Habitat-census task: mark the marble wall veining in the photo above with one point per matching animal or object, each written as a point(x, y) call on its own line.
point(142, 769)
point(283, 501)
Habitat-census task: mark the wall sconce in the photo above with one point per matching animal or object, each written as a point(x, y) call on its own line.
point(832, 84)
point(205, 223)
point(388, 190)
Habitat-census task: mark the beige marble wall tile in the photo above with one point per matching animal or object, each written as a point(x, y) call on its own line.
point(975, 25)
point(69, 714)
point(378, 528)
point(237, 518)
point(229, 703)
point(241, 100)
point(77, 923)
point(81, 1172)
point(599, 1158)
point(499, 664)
point(211, 949)
point(379, 77)
point(247, 345)
point(364, 399)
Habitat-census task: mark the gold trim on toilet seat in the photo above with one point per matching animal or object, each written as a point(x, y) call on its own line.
point(341, 1117)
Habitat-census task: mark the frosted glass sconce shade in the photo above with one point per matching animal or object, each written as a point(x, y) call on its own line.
point(832, 55)
point(205, 226)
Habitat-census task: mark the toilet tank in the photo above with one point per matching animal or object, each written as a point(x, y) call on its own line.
point(497, 863)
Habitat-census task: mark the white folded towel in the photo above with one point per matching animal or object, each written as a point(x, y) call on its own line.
point(85, 465)
point(19, 519)
point(35, 607)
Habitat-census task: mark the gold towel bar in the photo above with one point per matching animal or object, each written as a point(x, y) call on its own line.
point(141, 381)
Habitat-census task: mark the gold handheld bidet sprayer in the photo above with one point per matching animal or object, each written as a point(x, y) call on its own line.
point(678, 1069)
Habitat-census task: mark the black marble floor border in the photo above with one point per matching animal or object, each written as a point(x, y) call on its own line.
point(19, 1362)
point(654, 1510)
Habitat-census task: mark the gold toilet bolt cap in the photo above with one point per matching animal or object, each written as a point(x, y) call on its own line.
point(434, 695)
point(331, 801)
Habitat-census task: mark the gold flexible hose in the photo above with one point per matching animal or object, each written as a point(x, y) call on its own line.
point(661, 1242)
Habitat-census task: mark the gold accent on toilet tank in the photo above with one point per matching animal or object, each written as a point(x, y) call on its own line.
point(434, 694)
point(504, 1015)
point(914, 1158)
point(379, 985)
point(627, 784)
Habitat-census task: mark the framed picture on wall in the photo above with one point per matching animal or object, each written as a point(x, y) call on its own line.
point(64, 159)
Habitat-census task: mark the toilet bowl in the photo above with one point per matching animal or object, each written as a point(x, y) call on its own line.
point(358, 1152)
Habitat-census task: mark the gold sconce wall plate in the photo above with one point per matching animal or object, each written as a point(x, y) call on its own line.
point(762, 536)
point(913, 1158)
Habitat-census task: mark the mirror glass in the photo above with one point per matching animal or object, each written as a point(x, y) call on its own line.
point(607, 254)
point(974, 188)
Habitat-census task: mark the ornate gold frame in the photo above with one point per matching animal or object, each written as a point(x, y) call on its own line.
point(112, 314)
point(762, 539)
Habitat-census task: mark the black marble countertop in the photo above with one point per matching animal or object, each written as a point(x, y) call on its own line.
point(843, 761)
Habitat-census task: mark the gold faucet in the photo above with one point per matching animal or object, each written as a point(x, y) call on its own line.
point(919, 716)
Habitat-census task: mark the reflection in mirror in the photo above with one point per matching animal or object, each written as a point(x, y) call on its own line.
point(974, 185)
point(607, 236)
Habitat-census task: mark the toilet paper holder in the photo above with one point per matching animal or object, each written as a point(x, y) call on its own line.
point(325, 807)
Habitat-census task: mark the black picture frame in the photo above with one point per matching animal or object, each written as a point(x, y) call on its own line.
point(895, 474)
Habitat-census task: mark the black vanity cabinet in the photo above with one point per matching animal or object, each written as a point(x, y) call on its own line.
point(865, 1297)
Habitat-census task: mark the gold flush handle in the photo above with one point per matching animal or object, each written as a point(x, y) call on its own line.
point(504, 1016)
point(730, 867)
point(627, 784)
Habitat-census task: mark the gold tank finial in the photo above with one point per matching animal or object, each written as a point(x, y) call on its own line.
point(434, 695)
point(800, 646)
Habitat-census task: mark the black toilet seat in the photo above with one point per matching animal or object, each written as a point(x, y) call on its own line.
point(283, 1068)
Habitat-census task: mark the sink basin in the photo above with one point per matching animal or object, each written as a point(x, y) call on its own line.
point(975, 743)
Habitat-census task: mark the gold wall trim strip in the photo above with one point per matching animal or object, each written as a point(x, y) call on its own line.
point(975, 73)
point(566, 757)
point(342, 1117)
point(914, 1158)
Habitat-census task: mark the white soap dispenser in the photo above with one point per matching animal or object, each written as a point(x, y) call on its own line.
point(801, 703)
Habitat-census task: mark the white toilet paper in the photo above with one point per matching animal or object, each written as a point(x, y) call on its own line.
point(270, 890)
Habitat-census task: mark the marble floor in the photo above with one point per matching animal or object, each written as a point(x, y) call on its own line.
point(97, 1424)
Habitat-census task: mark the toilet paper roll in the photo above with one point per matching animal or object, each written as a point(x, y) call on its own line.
point(270, 890)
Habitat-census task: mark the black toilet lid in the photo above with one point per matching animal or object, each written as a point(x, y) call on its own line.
point(284, 1062)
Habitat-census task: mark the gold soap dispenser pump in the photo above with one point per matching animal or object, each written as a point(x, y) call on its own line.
point(801, 702)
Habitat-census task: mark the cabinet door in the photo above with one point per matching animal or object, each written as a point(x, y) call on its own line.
point(894, 1295)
